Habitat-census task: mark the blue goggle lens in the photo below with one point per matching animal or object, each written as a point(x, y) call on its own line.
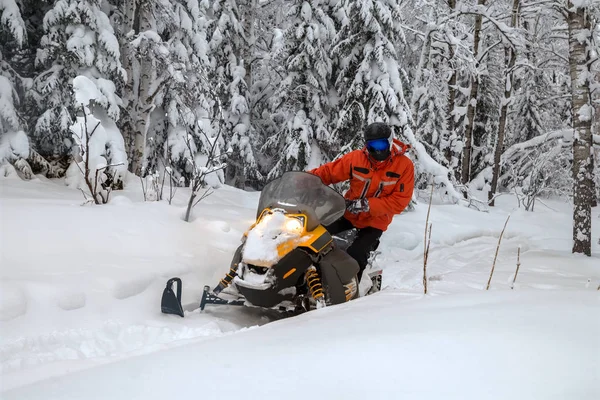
point(378, 144)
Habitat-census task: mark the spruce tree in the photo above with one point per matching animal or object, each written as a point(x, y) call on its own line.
point(78, 40)
point(230, 69)
point(369, 80)
point(12, 37)
point(305, 89)
point(188, 102)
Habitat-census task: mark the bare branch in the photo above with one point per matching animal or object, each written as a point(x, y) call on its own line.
point(206, 193)
point(486, 51)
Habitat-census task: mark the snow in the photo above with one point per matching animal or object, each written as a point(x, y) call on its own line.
point(581, 3)
point(10, 16)
point(80, 292)
point(278, 41)
point(106, 145)
point(14, 145)
point(585, 113)
point(85, 90)
point(9, 119)
point(101, 91)
point(261, 244)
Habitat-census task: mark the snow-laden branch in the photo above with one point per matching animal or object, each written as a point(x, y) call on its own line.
point(429, 165)
point(11, 18)
point(509, 153)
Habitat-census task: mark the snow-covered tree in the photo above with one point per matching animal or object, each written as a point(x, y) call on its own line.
point(472, 101)
point(437, 70)
point(167, 98)
point(305, 90)
point(430, 89)
point(580, 47)
point(145, 58)
point(431, 110)
point(78, 40)
point(369, 77)
point(230, 65)
point(13, 141)
point(100, 161)
point(188, 101)
point(487, 113)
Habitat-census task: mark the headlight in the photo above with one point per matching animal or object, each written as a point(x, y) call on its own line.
point(294, 224)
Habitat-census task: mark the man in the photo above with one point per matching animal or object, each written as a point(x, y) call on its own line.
point(381, 186)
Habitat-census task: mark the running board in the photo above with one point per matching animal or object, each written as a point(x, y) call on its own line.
point(210, 298)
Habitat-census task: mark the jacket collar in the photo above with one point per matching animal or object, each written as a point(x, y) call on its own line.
point(399, 148)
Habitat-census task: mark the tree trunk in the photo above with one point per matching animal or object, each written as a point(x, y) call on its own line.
point(451, 99)
point(510, 59)
point(129, 10)
point(451, 105)
point(144, 103)
point(579, 34)
point(595, 154)
point(468, 143)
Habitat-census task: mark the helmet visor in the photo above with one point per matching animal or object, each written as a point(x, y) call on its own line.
point(378, 144)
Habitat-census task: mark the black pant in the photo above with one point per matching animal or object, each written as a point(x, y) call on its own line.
point(366, 241)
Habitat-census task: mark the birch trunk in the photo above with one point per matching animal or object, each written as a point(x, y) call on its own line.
point(128, 10)
point(468, 144)
point(579, 35)
point(594, 149)
point(144, 102)
point(511, 58)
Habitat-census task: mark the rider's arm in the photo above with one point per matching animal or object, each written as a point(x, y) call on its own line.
point(335, 171)
point(398, 200)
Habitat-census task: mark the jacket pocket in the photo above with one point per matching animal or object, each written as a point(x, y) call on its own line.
point(385, 188)
point(359, 184)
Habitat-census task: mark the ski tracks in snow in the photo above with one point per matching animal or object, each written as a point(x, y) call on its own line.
point(112, 339)
point(77, 338)
point(30, 358)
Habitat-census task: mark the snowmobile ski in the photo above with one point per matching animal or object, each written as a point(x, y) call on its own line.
point(171, 303)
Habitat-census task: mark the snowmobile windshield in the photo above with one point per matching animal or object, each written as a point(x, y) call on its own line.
point(303, 192)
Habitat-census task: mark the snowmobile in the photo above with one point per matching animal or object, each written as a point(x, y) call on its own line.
point(287, 260)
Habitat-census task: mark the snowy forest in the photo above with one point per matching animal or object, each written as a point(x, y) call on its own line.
point(500, 96)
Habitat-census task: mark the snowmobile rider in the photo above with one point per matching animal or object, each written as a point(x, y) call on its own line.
point(381, 186)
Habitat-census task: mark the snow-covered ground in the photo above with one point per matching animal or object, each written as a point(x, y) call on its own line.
point(80, 307)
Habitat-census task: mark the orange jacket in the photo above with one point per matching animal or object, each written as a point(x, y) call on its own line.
point(388, 185)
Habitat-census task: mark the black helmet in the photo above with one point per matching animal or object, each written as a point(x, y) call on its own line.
point(378, 140)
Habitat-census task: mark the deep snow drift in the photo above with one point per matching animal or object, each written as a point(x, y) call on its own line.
point(80, 306)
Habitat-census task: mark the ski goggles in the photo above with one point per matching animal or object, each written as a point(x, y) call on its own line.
point(378, 144)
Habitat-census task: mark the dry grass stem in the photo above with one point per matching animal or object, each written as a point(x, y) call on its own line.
point(426, 243)
point(518, 265)
point(426, 258)
point(496, 256)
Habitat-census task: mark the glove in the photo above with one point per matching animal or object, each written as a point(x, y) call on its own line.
point(357, 206)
